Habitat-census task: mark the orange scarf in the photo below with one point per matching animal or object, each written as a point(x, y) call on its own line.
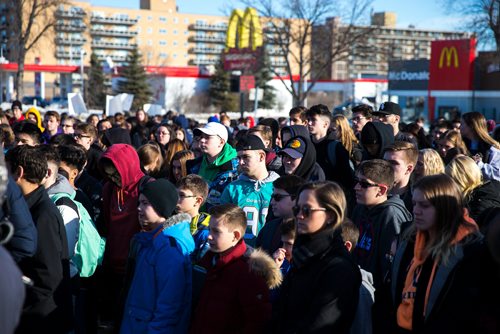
point(405, 309)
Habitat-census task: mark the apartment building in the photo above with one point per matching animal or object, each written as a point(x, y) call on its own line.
point(384, 43)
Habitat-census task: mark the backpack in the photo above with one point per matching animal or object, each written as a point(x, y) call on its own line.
point(89, 249)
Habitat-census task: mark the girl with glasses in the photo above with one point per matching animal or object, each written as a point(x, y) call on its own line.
point(320, 292)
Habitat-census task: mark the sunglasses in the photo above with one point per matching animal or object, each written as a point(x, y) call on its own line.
point(365, 184)
point(306, 211)
point(279, 197)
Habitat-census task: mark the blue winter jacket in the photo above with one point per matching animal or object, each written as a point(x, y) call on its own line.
point(159, 299)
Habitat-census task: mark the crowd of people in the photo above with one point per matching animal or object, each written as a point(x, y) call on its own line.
point(313, 223)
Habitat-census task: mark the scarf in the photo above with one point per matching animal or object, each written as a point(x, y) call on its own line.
point(405, 309)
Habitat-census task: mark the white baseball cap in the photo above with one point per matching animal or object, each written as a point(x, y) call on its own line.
point(213, 129)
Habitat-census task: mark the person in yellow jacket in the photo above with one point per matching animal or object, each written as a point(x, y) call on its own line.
point(34, 115)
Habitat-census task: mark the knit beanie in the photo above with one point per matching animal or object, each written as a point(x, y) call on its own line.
point(162, 195)
point(18, 104)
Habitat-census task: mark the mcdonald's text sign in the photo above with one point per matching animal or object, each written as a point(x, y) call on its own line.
point(244, 41)
point(452, 64)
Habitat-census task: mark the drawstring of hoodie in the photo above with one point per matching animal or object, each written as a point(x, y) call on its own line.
point(121, 202)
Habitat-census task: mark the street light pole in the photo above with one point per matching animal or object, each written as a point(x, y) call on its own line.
point(82, 53)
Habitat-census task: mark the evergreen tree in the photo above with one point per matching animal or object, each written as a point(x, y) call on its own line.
point(262, 78)
point(96, 87)
point(134, 80)
point(220, 89)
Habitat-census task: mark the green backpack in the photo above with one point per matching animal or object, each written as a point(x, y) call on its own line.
point(89, 249)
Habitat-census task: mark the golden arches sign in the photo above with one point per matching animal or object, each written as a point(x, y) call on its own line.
point(244, 30)
point(449, 54)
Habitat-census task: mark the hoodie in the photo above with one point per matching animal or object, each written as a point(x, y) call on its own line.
point(34, 111)
point(294, 131)
point(119, 209)
point(308, 168)
point(69, 213)
point(159, 298)
point(376, 133)
point(254, 197)
point(379, 227)
point(209, 171)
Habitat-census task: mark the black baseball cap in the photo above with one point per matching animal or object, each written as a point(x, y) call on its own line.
point(295, 148)
point(250, 142)
point(388, 108)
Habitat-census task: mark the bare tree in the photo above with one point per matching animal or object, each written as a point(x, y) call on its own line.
point(290, 26)
point(480, 16)
point(29, 21)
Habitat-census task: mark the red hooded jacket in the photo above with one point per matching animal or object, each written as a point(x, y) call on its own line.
point(120, 205)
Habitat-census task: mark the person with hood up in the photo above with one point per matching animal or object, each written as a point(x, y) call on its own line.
point(253, 189)
point(218, 164)
point(119, 218)
point(375, 137)
point(34, 115)
point(291, 131)
point(299, 158)
point(159, 298)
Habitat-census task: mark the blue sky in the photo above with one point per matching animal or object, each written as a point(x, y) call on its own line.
point(426, 14)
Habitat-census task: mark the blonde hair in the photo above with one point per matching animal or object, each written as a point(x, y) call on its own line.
point(446, 198)
point(466, 174)
point(454, 137)
point(182, 156)
point(150, 154)
point(433, 163)
point(345, 133)
point(476, 121)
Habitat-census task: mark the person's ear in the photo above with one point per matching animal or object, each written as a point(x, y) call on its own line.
point(382, 191)
point(18, 173)
point(73, 173)
point(199, 201)
point(348, 245)
point(410, 168)
point(236, 235)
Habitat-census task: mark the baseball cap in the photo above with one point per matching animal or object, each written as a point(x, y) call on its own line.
point(212, 129)
point(388, 108)
point(295, 148)
point(250, 142)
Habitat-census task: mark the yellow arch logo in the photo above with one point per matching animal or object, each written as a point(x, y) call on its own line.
point(449, 54)
point(244, 30)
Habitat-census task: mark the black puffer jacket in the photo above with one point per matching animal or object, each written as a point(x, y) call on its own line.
point(320, 293)
point(482, 198)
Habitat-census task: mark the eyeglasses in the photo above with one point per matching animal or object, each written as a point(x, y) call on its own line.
point(279, 197)
point(79, 135)
point(306, 211)
point(182, 196)
point(365, 184)
point(357, 119)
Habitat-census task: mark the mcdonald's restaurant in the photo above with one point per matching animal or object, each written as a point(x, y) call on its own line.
point(455, 80)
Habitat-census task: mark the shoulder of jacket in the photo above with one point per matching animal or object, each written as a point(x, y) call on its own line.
point(263, 265)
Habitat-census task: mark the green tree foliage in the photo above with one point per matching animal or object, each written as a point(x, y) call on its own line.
point(220, 89)
point(96, 87)
point(134, 80)
point(262, 78)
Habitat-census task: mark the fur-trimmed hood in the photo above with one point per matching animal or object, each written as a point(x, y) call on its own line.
point(178, 227)
point(264, 266)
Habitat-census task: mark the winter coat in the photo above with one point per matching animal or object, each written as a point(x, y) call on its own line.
point(159, 298)
point(379, 227)
point(269, 238)
point(454, 300)
point(12, 291)
point(235, 297)
point(24, 241)
point(254, 197)
point(482, 198)
point(47, 307)
point(321, 290)
point(119, 209)
point(340, 170)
